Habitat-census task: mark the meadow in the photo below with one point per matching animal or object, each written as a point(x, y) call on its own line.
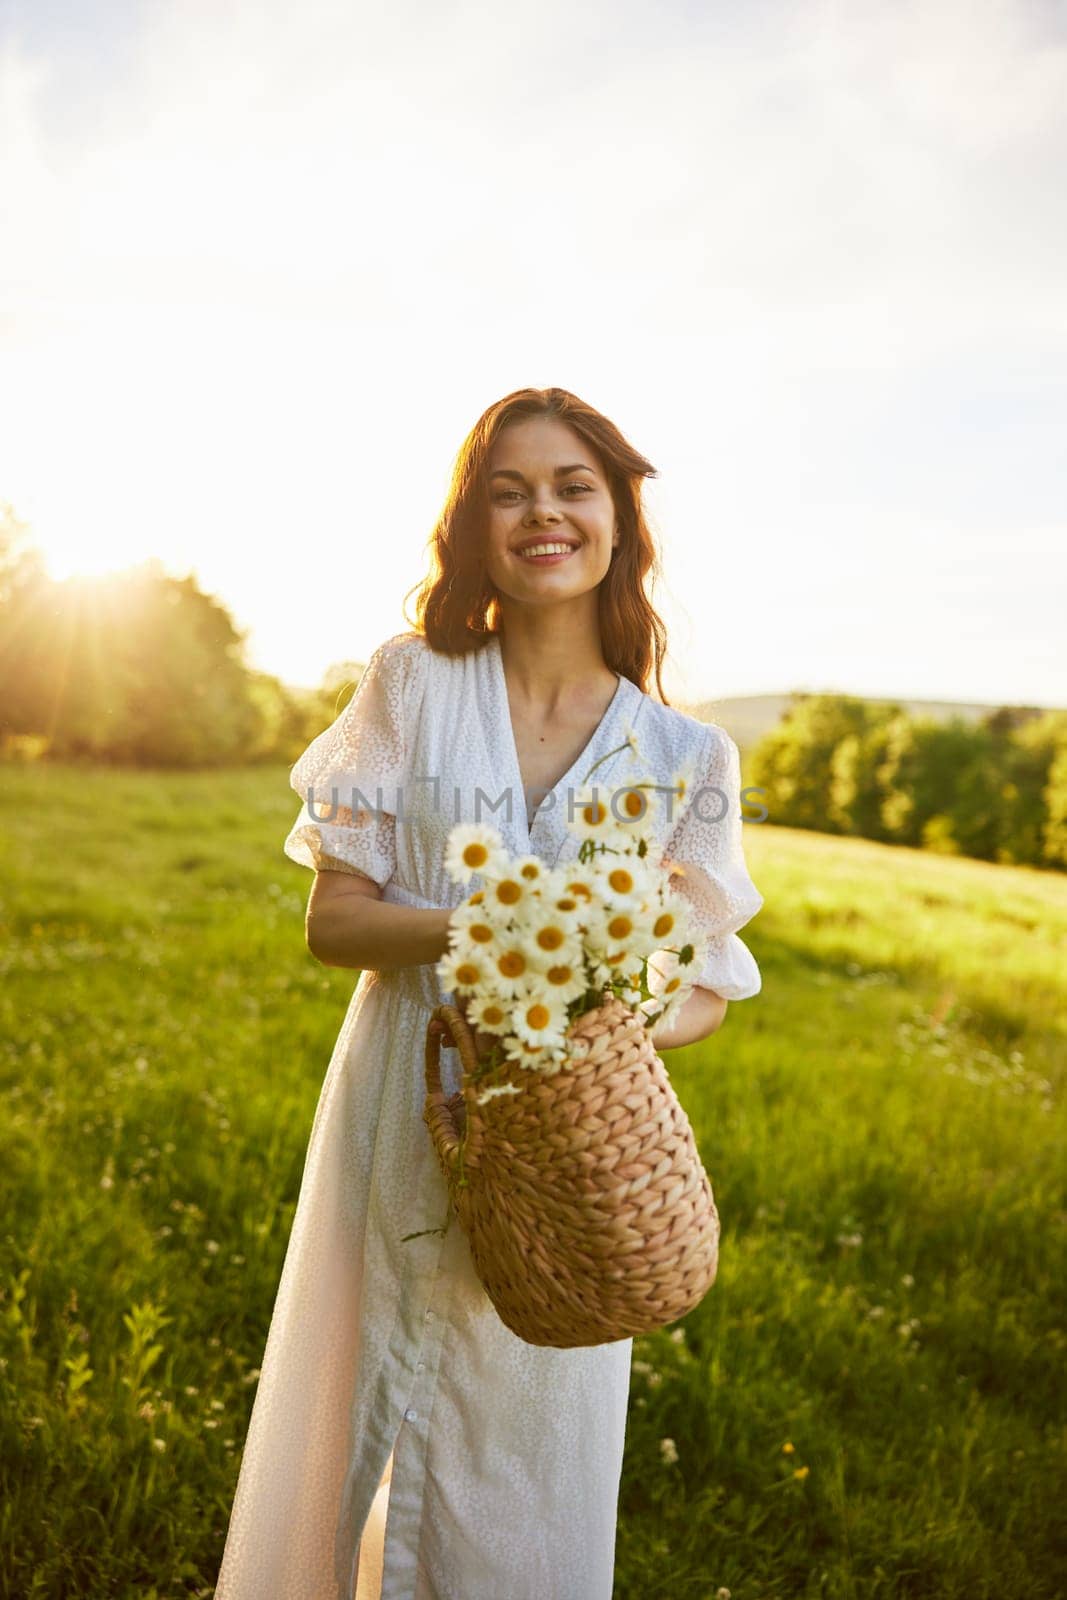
point(868, 1403)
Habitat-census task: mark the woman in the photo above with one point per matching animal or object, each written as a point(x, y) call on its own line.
point(404, 1444)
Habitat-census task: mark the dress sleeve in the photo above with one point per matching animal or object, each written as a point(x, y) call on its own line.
point(707, 848)
point(348, 778)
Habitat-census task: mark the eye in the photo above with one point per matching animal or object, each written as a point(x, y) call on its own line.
point(503, 495)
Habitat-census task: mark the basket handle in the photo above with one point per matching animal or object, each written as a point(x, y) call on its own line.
point(449, 1020)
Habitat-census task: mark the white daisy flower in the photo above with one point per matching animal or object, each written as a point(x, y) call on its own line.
point(510, 965)
point(575, 883)
point(490, 1014)
point(531, 869)
point(681, 784)
point(611, 929)
point(540, 1016)
point(566, 979)
point(624, 881)
point(549, 939)
point(591, 815)
point(463, 969)
point(533, 1056)
point(478, 924)
point(474, 847)
point(507, 895)
point(557, 899)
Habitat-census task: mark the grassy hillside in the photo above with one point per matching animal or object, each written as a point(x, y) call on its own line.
point(870, 1400)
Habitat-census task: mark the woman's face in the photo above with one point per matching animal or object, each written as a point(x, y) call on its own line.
point(547, 488)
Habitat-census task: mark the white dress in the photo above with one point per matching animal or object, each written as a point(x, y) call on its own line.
point(506, 1457)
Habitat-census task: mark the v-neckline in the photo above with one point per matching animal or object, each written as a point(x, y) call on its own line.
point(509, 727)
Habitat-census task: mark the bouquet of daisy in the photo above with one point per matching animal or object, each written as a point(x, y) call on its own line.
point(533, 948)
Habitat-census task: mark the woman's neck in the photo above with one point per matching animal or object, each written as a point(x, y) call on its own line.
point(548, 654)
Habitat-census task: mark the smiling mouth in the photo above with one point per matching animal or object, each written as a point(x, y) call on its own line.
point(545, 552)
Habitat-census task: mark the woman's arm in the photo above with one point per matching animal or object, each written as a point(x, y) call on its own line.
point(348, 924)
point(699, 1016)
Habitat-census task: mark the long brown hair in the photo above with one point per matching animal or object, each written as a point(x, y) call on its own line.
point(457, 605)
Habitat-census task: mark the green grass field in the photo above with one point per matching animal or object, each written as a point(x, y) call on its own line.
point(868, 1403)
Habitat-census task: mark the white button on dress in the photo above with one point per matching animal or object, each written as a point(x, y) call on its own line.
point(506, 1485)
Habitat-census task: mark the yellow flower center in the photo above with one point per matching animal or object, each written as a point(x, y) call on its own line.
point(633, 803)
point(594, 813)
point(475, 855)
point(537, 1016)
point(512, 964)
point(550, 938)
point(530, 870)
point(581, 889)
point(672, 984)
point(621, 880)
point(492, 1016)
point(467, 974)
point(508, 891)
point(481, 932)
point(663, 925)
point(620, 927)
point(559, 975)
point(476, 898)
point(566, 904)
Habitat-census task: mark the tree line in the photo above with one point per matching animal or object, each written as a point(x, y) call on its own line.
point(995, 789)
point(144, 669)
point(139, 669)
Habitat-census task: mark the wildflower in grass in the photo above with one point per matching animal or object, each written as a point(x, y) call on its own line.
point(677, 1336)
point(801, 1472)
point(669, 1451)
point(788, 1448)
point(212, 1247)
point(159, 1444)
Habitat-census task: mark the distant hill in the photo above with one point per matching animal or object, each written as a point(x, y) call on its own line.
point(748, 717)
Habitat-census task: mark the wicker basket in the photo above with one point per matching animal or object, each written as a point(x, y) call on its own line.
point(588, 1213)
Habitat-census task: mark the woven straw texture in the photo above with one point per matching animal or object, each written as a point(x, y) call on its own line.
point(588, 1213)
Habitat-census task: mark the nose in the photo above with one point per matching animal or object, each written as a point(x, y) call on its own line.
point(542, 510)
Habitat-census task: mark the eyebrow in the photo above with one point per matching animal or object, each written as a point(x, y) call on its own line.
point(575, 466)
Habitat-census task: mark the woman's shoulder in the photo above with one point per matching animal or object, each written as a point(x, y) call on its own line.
point(674, 736)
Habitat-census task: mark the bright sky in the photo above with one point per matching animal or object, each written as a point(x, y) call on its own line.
point(265, 264)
